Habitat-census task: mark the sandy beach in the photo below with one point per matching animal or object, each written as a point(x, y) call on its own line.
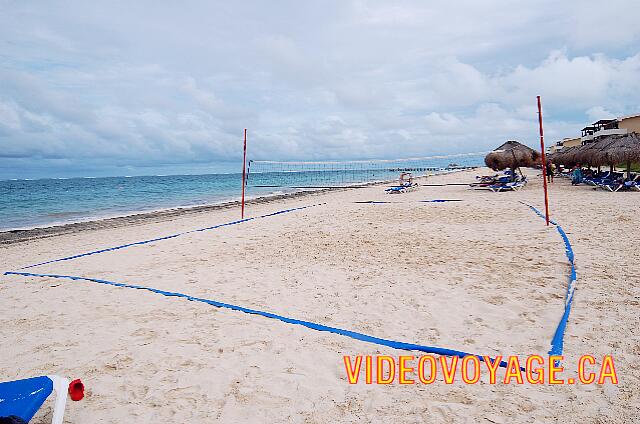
point(482, 274)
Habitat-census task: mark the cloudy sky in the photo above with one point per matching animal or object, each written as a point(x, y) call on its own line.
point(142, 87)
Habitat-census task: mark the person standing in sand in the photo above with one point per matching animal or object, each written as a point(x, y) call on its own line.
point(550, 169)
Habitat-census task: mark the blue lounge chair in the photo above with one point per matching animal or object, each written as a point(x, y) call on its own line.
point(612, 183)
point(612, 186)
point(512, 186)
point(397, 189)
point(21, 399)
point(594, 181)
point(402, 188)
point(621, 185)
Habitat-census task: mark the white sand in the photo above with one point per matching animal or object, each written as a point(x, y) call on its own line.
point(482, 275)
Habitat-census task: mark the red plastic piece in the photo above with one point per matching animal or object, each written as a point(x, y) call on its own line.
point(76, 390)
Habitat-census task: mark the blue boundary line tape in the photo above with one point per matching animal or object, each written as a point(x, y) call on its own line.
point(373, 202)
point(557, 343)
point(376, 202)
point(138, 243)
point(319, 327)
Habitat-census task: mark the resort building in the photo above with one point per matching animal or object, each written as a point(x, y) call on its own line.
point(630, 123)
point(601, 128)
point(604, 127)
point(565, 143)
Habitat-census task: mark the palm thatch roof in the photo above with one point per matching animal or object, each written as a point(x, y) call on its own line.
point(593, 153)
point(587, 153)
point(609, 150)
point(561, 157)
point(577, 155)
point(621, 149)
point(511, 154)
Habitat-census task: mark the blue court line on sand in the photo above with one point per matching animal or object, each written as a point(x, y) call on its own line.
point(319, 327)
point(557, 343)
point(138, 243)
point(373, 202)
point(376, 202)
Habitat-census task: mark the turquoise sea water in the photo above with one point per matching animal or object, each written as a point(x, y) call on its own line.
point(43, 202)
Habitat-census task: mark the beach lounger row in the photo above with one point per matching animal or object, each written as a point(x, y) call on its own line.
point(607, 180)
point(614, 182)
point(497, 183)
point(614, 186)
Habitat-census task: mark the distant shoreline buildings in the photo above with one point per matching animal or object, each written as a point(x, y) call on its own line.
point(601, 128)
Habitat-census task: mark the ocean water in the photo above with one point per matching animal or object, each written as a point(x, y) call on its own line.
point(44, 202)
point(31, 203)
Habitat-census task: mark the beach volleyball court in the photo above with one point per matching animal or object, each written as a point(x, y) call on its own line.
point(461, 275)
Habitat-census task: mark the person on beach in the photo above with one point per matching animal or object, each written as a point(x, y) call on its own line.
point(550, 169)
point(576, 175)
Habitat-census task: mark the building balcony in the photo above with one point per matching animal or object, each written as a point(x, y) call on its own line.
point(602, 133)
point(611, 131)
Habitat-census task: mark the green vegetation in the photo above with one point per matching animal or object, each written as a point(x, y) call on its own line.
point(635, 167)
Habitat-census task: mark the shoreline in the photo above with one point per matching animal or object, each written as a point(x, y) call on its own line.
point(18, 235)
point(10, 237)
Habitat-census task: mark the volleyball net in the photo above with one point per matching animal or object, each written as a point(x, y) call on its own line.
point(327, 174)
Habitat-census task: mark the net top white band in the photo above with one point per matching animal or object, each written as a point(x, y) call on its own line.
point(457, 155)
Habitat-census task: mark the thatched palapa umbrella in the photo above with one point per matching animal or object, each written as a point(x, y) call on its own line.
point(621, 149)
point(512, 155)
point(574, 156)
point(592, 153)
point(611, 150)
point(579, 154)
point(562, 157)
point(586, 154)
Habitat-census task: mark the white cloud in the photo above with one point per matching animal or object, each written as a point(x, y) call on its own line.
point(600, 25)
point(147, 83)
point(598, 112)
point(575, 82)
